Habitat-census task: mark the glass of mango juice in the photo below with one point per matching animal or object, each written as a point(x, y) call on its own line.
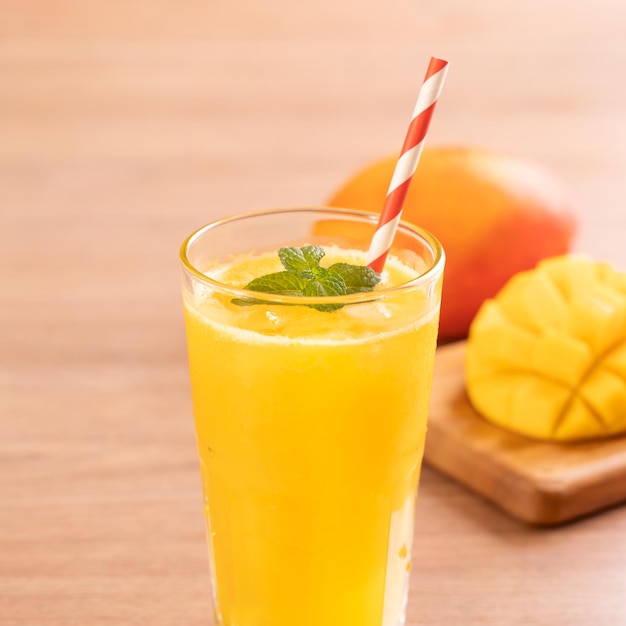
point(310, 412)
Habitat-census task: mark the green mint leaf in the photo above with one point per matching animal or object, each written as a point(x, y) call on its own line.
point(357, 278)
point(313, 255)
point(303, 276)
point(301, 260)
point(329, 284)
point(281, 283)
point(284, 283)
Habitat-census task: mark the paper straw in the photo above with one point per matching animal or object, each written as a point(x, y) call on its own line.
point(407, 163)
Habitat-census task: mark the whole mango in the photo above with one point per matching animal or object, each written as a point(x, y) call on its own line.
point(495, 215)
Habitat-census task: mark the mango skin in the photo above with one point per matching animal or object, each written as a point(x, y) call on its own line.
point(495, 214)
point(546, 357)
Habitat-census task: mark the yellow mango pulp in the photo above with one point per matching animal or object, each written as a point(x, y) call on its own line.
point(547, 356)
point(310, 429)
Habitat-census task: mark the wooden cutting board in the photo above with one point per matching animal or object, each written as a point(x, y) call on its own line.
point(537, 482)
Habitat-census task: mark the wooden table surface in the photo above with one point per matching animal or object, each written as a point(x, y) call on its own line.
point(125, 124)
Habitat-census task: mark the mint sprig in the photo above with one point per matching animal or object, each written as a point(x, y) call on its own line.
point(304, 276)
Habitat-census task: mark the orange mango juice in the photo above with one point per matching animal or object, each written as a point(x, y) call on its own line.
point(310, 429)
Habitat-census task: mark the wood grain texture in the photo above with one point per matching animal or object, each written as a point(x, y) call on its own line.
point(125, 124)
point(538, 482)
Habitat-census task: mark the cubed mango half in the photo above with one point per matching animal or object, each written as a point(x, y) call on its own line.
point(546, 357)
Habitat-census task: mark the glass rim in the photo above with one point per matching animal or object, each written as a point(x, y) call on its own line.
point(434, 270)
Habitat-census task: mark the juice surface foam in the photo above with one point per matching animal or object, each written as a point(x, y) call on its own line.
point(278, 323)
point(242, 269)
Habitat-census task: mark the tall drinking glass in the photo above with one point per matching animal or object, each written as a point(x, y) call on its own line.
point(310, 423)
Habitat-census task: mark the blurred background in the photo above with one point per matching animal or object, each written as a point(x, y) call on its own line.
point(126, 124)
point(152, 108)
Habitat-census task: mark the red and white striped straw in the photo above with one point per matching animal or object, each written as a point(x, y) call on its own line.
point(407, 163)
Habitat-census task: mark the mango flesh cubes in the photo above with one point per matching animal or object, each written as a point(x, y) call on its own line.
point(546, 357)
